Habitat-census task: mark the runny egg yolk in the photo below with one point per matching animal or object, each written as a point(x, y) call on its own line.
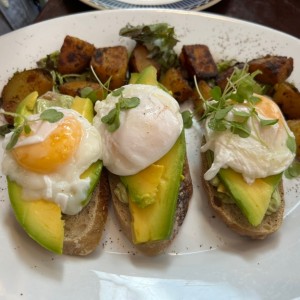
point(267, 108)
point(47, 156)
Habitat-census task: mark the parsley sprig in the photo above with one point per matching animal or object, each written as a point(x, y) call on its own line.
point(112, 119)
point(51, 115)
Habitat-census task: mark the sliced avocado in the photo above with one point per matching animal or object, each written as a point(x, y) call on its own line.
point(252, 199)
point(133, 78)
point(155, 222)
point(85, 107)
point(41, 219)
point(143, 186)
point(147, 76)
point(26, 107)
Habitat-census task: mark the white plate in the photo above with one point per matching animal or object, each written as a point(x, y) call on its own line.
point(170, 4)
point(206, 261)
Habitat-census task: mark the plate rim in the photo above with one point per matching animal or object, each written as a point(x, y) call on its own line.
point(102, 6)
point(257, 264)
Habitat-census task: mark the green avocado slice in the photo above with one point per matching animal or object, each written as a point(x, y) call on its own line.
point(155, 221)
point(252, 199)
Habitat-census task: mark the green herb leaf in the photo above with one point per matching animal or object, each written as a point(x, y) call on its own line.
point(241, 129)
point(293, 170)
point(86, 91)
point(89, 93)
point(127, 103)
point(14, 138)
point(216, 93)
point(217, 125)
point(118, 92)
point(110, 117)
point(268, 122)
point(243, 114)
point(222, 113)
point(187, 117)
point(51, 115)
point(291, 144)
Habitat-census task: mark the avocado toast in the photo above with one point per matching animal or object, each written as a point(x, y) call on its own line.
point(246, 148)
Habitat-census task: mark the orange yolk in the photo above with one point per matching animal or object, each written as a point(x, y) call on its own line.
point(269, 109)
point(47, 156)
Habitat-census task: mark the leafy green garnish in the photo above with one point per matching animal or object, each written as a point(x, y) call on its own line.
point(223, 65)
point(50, 115)
point(49, 62)
point(291, 144)
point(293, 170)
point(112, 119)
point(187, 118)
point(159, 39)
point(241, 88)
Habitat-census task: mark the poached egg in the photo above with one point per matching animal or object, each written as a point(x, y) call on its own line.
point(48, 162)
point(263, 153)
point(146, 132)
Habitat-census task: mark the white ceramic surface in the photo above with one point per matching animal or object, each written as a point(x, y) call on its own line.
point(206, 261)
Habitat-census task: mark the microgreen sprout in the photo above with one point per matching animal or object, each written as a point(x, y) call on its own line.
point(240, 89)
point(50, 115)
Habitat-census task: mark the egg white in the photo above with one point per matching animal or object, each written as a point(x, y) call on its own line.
point(146, 132)
point(64, 186)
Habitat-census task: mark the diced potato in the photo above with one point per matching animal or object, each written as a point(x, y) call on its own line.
point(22, 84)
point(197, 60)
point(139, 60)
point(222, 77)
point(75, 55)
point(288, 98)
point(205, 90)
point(275, 69)
point(73, 88)
point(174, 81)
point(111, 62)
point(294, 125)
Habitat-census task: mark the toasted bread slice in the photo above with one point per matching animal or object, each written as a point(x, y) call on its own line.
point(83, 231)
point(123, 215)
point(234, 219)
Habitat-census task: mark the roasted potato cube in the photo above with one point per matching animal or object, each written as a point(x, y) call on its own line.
point(205, 91)
point(288, 99)
point(22, 84)
point(74, 88)
point(222, 77)
point(294, 125)
point(275, 69)
point(75, 55)
point(174, 81)
point(111, 62)
point(139, 59)
point(197, 60)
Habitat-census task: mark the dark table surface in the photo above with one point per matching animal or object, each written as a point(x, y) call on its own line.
point(283, 15)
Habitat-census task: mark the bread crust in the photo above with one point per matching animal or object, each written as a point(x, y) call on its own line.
point(83, 231)
point(122, 213)
point(231, 215)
